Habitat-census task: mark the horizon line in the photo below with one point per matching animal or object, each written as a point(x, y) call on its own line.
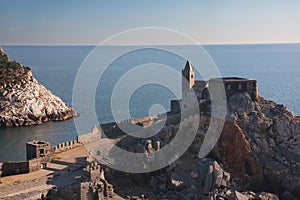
point(243, 43)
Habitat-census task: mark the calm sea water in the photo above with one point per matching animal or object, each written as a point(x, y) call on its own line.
point(275, 66)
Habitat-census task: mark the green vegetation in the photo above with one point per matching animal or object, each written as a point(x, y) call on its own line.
point(11, 71)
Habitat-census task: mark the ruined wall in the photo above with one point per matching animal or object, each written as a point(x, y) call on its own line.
point(85, 193)
point(249, 86)
point(37, 149)
point(13, 168)
point(21, 167)
point(34, 164)
point(235, 85)
point(31, 152)
point(90, 137)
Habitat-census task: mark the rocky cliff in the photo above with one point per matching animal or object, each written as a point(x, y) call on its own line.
point(260, 144)
point(256, 157)
point(24, 101)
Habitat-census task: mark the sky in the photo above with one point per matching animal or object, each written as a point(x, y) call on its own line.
point(78, 22)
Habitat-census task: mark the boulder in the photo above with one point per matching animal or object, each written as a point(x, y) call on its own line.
point(179, 178)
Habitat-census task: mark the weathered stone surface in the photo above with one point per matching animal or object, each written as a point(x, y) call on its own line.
point(260, 145)
point(267, 196)
point(179, 178)
point(26, 102)
point(208, 181)
point(240, 196)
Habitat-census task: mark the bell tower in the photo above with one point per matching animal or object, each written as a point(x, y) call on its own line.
point(188, 77)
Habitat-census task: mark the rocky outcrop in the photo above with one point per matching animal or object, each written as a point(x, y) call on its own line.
point(260, 145)
point(24, 101)
point(257, 153)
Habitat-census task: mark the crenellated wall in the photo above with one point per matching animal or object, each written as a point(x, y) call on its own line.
point(66, 146)
point(80, 140)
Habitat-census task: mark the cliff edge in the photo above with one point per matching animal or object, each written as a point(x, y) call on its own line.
point(256, 157)
point(24, 101)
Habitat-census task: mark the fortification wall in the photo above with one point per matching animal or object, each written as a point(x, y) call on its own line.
point(80, 140)
point(13, 168)
point(21, 167)
point(250, 86)
point(66, 146)
point(90, 137)
point(34, 164)
point(236, 85)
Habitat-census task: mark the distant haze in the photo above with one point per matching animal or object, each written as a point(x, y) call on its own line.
point(79, 22)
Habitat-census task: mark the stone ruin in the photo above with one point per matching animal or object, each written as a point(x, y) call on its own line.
point(96, 186)
point(38, 149)
point(38, 154)
point(201, 88)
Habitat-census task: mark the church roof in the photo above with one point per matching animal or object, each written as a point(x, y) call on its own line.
point(188, 66)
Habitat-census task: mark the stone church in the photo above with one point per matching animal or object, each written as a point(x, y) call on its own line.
point(192, 88)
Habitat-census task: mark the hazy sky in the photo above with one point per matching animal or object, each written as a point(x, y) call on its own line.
point(91, 21)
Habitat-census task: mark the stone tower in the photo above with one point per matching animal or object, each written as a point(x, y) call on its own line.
point(37, 149)
point(188, 81)
point(188, 76)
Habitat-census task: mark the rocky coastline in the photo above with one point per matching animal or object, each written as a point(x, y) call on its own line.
point(256, 157)
point(24, 101)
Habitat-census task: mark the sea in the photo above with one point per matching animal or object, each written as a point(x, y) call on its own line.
point(276, 67)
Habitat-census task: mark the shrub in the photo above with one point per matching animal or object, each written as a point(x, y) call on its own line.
point(11, 71)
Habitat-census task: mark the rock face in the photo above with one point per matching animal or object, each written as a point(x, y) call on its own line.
point(258, 152)
point(24, 101)
point(260, 145)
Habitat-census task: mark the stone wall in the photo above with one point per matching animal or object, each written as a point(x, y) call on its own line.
point(249, 86)
point(234, 85)
point(1, 164)
point(66, 146)
point(20, 167)
point(96, 186)
point(13, 168)
point(34, 164)
point(90, 137)
point(80, 140)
